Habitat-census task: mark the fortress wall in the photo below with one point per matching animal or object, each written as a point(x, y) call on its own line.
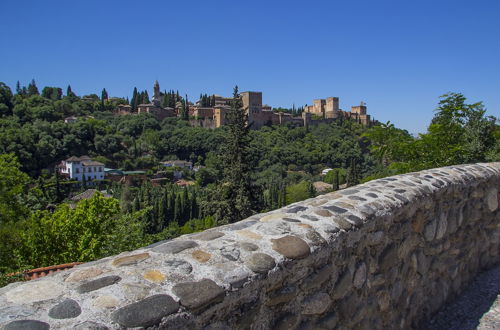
point(381, 255)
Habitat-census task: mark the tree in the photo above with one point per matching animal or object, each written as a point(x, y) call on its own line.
point(235, 195)
point(12, 210)
point(12, 184)
point(52, 93)
point(298, 192)
point(32, 89)
point(104, 94)
point(5, 100)
point(18, 88)
point(353, 176)
point(134, 100)
point(69, 92)
point(94, 229)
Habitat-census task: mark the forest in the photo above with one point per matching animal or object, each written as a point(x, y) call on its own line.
point(242, 171)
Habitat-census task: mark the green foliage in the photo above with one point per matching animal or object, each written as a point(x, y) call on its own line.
point(300, 191)
point(92, 230)
point(5, 100)
point(459, 133)
point(235, 192)
point(12, 185)
point(338, 174)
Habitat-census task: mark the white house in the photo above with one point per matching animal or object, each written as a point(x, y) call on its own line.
point(326, 170)
point(77, 168)
point(178, 163)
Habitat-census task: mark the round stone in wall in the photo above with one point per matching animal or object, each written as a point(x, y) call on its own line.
point(178, 266)
point(66, 309)
point(492, 199)
point(291, 247)
point(260, 263)
point(26, 325)
point(34, 291)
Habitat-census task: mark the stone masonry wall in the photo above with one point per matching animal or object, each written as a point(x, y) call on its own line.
point(381, 255)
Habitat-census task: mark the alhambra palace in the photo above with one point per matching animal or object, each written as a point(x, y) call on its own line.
point(259, 115)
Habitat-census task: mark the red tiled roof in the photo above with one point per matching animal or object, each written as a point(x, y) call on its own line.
point(44, 271)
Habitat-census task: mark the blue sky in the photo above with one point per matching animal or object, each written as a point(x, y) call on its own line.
point(397, 56)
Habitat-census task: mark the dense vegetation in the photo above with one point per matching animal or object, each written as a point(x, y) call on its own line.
point(243, 171)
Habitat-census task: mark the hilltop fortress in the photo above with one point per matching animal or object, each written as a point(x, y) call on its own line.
point(259, 114)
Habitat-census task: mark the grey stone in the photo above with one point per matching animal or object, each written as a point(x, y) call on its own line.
point(230, 252)
point(441, 227)
point(343, 223)
point(98, 283)
point(175, 246)
point(291, 247)
point(309, 217)
point(317, 279)
point(315, 237)
point(11, 312)
point(282, 296)
point(197, 295)
point(357, 221)
point(146, 312)
point(316, 304)
point(372, 195)
point(335, 209)
point(360, 276)
point(248, 246)
point(34, 291)
point(260, 263)
point(402, 198)
point(343, 286)
point(241, 225)
point(328, 322)
point(135, 291)
point(296, 209)
point(178, 266)
point(348, 191)
point(291, 220)
point(66, 309)
point(357, 198)
point(208, 235)
point(430, 230)
point(492, 199)
point(90, 325)
point(388, 258)
point(26, 325)
point(286, 322)
point(237, 277)
point(375, 238)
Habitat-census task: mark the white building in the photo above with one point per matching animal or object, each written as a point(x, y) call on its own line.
point(77, 167)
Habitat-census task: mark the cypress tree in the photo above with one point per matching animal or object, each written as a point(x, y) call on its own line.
point(145, 97)
point(104, 94)
point(133, 101)
point(352, 178)
point(18, 88)
point(336, 182)
point(178, 209)
point(235, 192)
point(32, 89)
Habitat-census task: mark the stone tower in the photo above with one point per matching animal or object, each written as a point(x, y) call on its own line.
point(156, 89)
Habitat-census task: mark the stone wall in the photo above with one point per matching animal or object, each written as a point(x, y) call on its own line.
point(381, 255)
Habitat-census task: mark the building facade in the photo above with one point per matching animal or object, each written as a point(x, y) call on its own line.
point(81, 168)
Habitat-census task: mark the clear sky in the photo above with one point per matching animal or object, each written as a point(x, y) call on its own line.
point(397, 56)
